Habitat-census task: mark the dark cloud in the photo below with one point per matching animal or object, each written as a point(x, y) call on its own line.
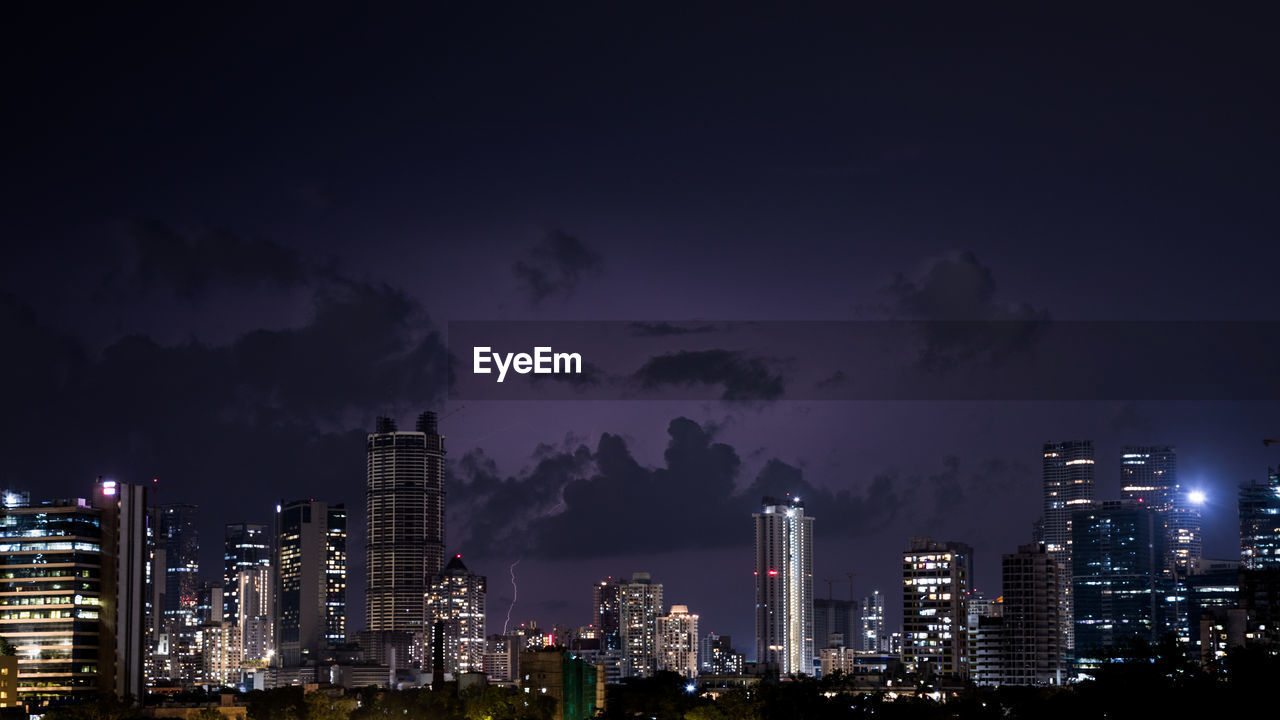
point(743, 377)
point(955, 299)
point(834, 380)
point(233, 427)
point(666, 329)
point(555, 266)
point(191, 264)
point(572, 498)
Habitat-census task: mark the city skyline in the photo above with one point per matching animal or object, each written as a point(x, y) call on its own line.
point(969, 276)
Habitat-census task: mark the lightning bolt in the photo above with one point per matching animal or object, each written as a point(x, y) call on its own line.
point(515, 593)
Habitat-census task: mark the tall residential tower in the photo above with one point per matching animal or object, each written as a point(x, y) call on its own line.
point(1068, 486)
point(404, 533)
point(784, 586)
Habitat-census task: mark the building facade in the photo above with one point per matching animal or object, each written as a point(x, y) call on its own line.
point(404, 531)
point(245, 546)
point(639, 605)
point(1259, 508)
point(678, 642)
point(935, 589)
point(1033, 648)
point(871, 635)
point(72, 596)
point(1118, 563)
point(311, 580)
point(456, 605)
point(784, 586)
point(605, 603)
point(1068, 477)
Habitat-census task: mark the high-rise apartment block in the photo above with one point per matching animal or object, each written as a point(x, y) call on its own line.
point(404, 532)
point(456, 605)
point(935, 588)
point(1033, 647)
point(78, 568)
point(311, 580)
point(1068, 477)
point(678, 642)
point(639, 605)
point(245, 546)
point(784, 586)
point(871, 634)
point(1118, 562)
point(1260, 523)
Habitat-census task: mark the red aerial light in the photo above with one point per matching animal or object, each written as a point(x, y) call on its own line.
point(773, 572)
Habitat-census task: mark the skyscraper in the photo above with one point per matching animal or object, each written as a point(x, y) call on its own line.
point(784, 586)
point(1032, 646)
point(1068, 485)
point(935, 588)
point(678, 642)
point(404, 536)
point(82, 563)
point(1118, 559)
point(311, 580)
point(871, 635)
point(244, 546)
point(456, 605)
point(256, 596)
point(1260, 523)
point(175, 573)
point(1149, 476)
point(639, 605)
point(605, 603)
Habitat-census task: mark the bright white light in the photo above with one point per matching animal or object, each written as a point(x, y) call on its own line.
point(690, 688)
point(1197, 497)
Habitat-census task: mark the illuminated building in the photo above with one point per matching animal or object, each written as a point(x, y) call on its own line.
point(1213, 594)
point(1260, 523)
point(784, 586)
point(871, 636)
point(935, 612)
point(404, 536)
point(220, 652)
point(456, 605)
point(986, 649)
point(72, 594)
point(1067, 473)
point(678, 642)
point(245, 546)
point(567, 679)
point(1118, 562)
point(605, 603)
point(639, 605)
point(1149, 476)
point(717, 657)
point(1033, 649)
point(256, 596)
point(176, 570)
point(311, 582)
point(9, 682)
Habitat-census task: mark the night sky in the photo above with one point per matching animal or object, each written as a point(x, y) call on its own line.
point(234, 236)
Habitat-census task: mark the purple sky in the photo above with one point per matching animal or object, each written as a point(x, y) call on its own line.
point(235, 237)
